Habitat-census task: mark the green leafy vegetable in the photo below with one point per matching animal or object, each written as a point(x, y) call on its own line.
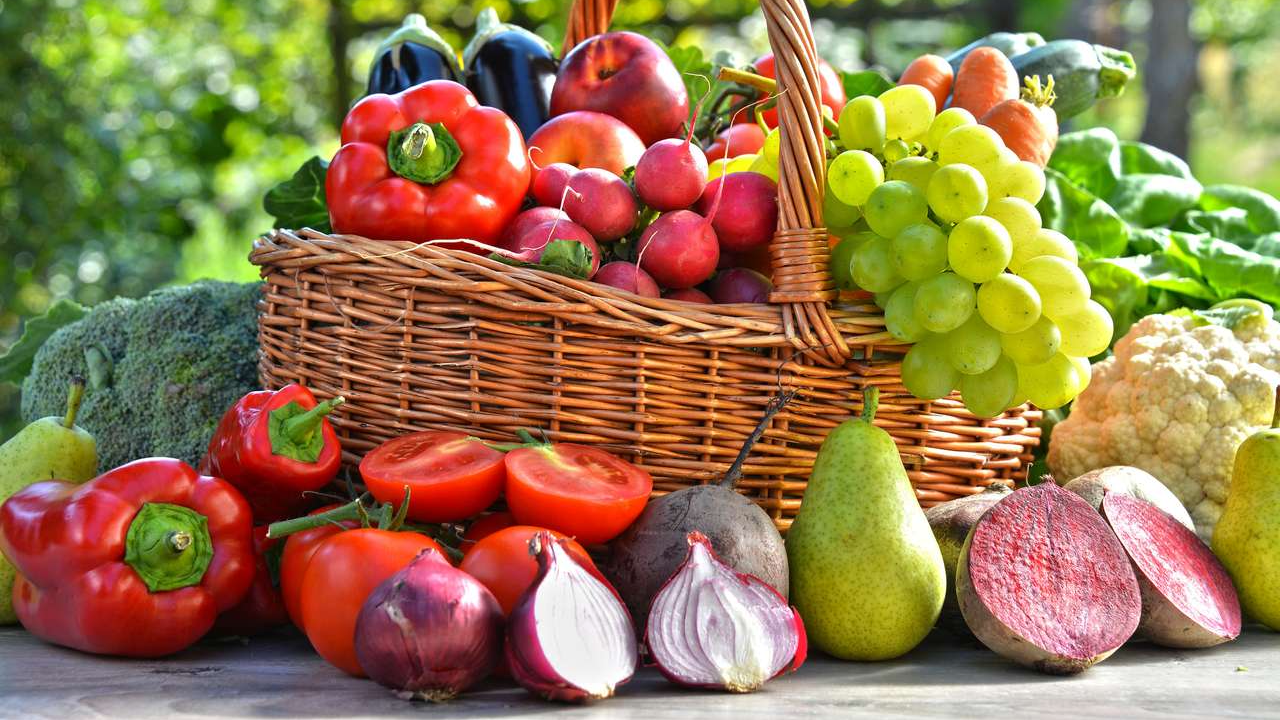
point(1077, 213)
point(700, 74)
point(1149, 200)
point(1142, 159)
point(1228, 268)
point(300, 201)
point(1090, 159)
point(1263, 210)
point(1231, 313)
point(16, 363)
point(562, 257)
point(864, 82)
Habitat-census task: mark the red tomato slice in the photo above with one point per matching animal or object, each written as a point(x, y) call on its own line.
point(581, 491)
point(451, 475)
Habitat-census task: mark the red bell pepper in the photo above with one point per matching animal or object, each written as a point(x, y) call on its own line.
point(138, 561)
point(275, 446)
point(428, 163)
point(262, 607)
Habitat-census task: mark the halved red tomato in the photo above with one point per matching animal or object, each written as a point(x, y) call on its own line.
point(581, 491)
point(450, 475)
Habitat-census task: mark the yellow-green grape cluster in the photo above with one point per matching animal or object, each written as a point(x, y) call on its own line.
point(938, 219)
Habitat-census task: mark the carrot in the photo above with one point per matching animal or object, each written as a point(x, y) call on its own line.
point(932, 73)
point(986, 78)
point(1028, 125)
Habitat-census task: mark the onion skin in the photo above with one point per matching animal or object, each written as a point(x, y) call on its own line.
point(721, 579)
point(430, 631)
point(529, 663)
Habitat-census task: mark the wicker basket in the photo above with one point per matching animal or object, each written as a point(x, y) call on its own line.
point(419, 337)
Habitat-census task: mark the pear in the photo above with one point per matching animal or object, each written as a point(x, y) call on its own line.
point(866, 572)
point(51, 448)
point(1247, 537)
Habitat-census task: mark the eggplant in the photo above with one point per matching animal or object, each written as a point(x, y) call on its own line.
point(412, 55)
point(511, 69)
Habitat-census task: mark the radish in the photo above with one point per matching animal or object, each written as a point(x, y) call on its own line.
point(679, 249)
point(692, 295)
point(527, 219)
point(740, 285)
point(672, 173)
point(533, 242)
point(626, 276)
point(548, 184)
point(749, 216)
point(602, 203)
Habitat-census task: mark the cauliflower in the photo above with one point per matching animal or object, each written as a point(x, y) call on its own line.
point(1176, 399)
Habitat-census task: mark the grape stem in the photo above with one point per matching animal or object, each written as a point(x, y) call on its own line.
point(766, 85)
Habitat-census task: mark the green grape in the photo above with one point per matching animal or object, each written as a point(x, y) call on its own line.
point(836, 214)
point(979, 248)
point(945, 122)
point(973, 347)
point(1021, 179)
point(987, 394)
point(1043, 242)
point(881, 299)
point(872, 266)
point(920, 251)
point(944, 302)
point(895, 150)
point(908, 111)
point(915, 170)
point(893, 206)
point(853, 175)
point(1034, 345)
point(1085, 333)
point(899, 314)
point(1063, 288)
point(1008, 303)
point(1050, 384)
point(977, 146)
point(842, 259)
point(1018, 216)
point(956, 192)
point(862, 124)
point(772, 144)
point(764, 167)
point(1084, 372)
point(925, 370)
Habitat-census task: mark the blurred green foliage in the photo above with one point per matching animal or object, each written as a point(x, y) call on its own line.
point(138, 136)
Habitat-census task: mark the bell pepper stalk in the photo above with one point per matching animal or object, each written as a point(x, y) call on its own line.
point(275, 446)
point(769, 86)
point(384, 516)
point(428, 163)
point(137, 562)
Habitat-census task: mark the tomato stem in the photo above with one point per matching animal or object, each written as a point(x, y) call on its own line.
point(350, 511)
point(398, 521)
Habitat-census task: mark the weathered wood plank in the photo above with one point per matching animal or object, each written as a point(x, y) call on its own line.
point(279, 676)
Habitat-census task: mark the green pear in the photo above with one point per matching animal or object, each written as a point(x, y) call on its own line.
point(866, 572)
point(51, 448)
point(1247, 537)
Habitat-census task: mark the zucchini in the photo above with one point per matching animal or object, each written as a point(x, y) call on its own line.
point(1082, 73)
point(1010, 44)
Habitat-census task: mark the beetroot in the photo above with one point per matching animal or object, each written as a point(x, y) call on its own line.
point(1043, 581)
point(1188, 600)
point(740, 285)
point(748, 214)
point(602, 203)
point(533, 242)
point(679, 249)
point(671, 174)
point(693, 295)
point(625, 276)
point(526, 220)
point(548, 184)
point(951, 523)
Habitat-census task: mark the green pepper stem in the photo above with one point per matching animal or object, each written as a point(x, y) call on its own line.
point(74, 397)
point(767, 85)
point(168, 546)
point(870, 403)
point(300, 428)
point(424, 153)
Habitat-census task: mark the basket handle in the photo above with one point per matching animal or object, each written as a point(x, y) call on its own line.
point(799, 252)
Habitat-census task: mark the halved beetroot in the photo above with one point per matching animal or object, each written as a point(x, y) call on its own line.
point(1043, 581)
point(1188, 600)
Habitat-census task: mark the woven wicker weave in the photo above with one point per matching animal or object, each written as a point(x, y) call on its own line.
point(419, 337)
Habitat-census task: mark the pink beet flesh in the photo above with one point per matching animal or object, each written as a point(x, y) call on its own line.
point(1189, 600)
point(1044, 581)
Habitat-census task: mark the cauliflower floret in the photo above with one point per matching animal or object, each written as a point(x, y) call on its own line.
point(1175, 399)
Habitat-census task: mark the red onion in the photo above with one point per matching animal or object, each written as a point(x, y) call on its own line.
point(713, 627)
point(569, 637)
point(429, 631)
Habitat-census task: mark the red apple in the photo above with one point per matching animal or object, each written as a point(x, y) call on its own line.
point(586, 140)
point(625, 75)
point(828, 80)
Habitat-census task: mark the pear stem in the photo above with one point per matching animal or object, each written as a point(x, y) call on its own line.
point(1275, 419)
point(870, 403)
point(74, 397)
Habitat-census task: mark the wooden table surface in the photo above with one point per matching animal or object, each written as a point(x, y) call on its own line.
point(279, 676)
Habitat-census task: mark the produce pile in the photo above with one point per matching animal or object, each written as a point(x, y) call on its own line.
point(1004, 254)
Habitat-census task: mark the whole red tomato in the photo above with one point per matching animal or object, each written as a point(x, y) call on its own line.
point(343, 570)
point(485, 526)
point(828, 79)
point(502, 562)
point(298, 549)
point(741, 139)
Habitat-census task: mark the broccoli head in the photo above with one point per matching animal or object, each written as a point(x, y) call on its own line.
point(161, 369)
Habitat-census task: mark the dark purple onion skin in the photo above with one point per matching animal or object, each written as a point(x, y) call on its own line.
point(529, 668)
point(448, 635)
